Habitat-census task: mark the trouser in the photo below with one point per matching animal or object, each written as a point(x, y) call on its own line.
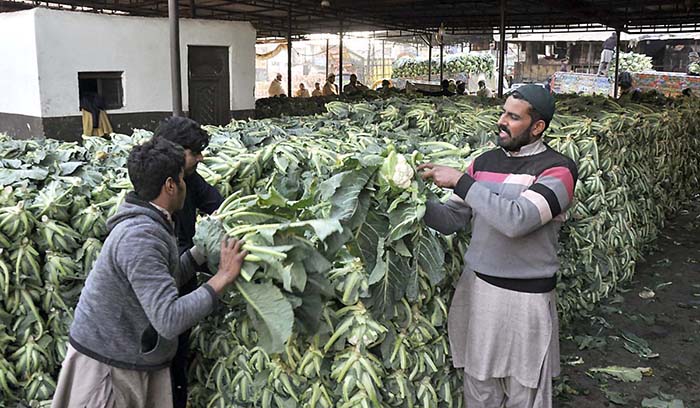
point(180, 363)
point(507, 393)
point(605, 59)
point(86, 382)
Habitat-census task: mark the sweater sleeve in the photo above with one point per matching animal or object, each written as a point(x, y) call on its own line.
point(448, 218)
point(207, 198)
point(145, 261)
point(550, 196)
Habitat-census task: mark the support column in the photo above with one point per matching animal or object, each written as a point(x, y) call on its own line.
point(175, 75)
point(368, 63)
point(327, 45)
point(617, 59)
point(442, 52)
point(289, 51)
point(430, 58)
point(383, 64)
point(193, 8)
point(502, 50)
point(340, 61)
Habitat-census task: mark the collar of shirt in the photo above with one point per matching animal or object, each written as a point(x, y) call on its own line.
point(163, 210)
point(528, 150)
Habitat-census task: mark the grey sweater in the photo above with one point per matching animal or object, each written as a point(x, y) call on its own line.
point(129, 314)
point(515, 206)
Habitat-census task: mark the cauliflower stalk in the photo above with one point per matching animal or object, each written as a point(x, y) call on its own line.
point(397, 170)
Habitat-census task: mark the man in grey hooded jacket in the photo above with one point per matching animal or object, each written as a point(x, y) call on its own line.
point(129, 314)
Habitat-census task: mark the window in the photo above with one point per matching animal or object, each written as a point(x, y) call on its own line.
point(106, 85)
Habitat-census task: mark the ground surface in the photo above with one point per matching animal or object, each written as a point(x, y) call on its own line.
point(654, 323)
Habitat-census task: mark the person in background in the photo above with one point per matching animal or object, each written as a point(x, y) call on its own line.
point(461, 88)
point(564, 67)
point(330, 88)
point(502, 323)
point(200, 198)
point(693, 63)
point(354, 87)
point(445, 91)
point(302, 92)
point(483, 91)
point(129, 315)
point(385, 86)
point(275, 88)
point(452, 86)
point(607, 54)
point(627, 91)
point(95, 120)
point(317, 90)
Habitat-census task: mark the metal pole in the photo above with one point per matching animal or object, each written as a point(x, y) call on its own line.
point(368, 63)
point(193, 8)
point(383, 65)
point(442, 48)
point(289, 51)
point(175, 75)
point(340, 61)
point(430, 58)
point(502, 51)
point(617, 59)
point(327, 58)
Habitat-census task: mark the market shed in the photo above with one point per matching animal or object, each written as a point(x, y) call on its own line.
point(50, 63)
point(293, 20)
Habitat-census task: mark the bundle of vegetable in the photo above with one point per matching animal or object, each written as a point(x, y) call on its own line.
point(53, 204)
point(631, 62)
point(694, 68)
point(598, 252)
point(338, 254)
point(469, 64)
point(342, 301)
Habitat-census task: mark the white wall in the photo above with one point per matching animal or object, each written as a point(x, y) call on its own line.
point(19, 74)
point(72, 42)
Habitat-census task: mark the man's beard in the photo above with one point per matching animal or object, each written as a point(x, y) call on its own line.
point(513, 144)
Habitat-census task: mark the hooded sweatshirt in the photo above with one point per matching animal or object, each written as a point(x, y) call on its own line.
point(129, 313)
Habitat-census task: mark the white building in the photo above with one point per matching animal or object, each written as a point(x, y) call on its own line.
point(49, 59)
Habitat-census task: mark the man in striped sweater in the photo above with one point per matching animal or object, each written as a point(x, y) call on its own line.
point(503, 325)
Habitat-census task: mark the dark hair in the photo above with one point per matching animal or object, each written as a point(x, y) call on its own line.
point(534, 114)
point(183, 131)
point(445, 83)
point(150, 165)
point(481, 83)
point(385, 82)
point(461, 87)
point(625, 80)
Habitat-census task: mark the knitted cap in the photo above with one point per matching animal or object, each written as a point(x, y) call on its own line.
point(540, 99)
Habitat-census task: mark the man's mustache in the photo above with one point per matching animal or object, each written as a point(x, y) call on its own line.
point(504, 128)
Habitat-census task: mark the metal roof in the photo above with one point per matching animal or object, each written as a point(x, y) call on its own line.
point(403, 17)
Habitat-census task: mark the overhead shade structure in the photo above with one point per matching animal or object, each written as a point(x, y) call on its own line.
point(421, 17)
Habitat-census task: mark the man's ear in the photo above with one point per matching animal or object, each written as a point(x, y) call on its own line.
point(538, 128)
point(169, 185)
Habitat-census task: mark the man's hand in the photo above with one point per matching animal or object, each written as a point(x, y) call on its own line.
point(229, 265)
point(442, 176)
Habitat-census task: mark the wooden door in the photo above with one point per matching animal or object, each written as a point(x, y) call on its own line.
point(209, 85)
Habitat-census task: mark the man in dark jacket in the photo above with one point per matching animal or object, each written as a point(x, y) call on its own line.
point(130, 315)
point(200, 196)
